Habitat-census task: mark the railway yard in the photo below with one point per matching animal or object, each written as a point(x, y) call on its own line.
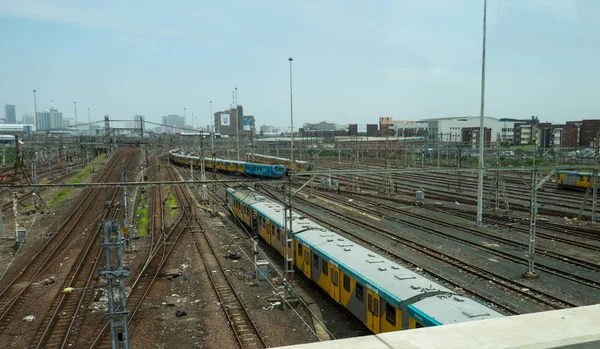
point(191, 250)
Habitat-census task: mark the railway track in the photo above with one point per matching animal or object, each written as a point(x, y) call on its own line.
point(151, 270)
point(508, 256)
point(247, 334)
point(16, 291)
point(245, 330)
point(438, 183)
point(65, 318)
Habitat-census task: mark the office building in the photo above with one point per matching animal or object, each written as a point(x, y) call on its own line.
point(10, 114)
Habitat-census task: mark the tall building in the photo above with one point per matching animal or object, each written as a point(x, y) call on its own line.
point(174, 121)
point(10, 114)
point(50, 119)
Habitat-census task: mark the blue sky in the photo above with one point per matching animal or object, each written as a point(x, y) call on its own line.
point(353, 60)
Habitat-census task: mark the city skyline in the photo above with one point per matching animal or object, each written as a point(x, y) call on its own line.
point(401, 59)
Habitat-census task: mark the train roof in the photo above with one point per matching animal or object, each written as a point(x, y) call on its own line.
point(573, 173)
point(450, 309)
point(373, 270)
point(277, 158)
point(194, 157)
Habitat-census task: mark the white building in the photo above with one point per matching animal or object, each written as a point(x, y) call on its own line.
point(450, 129)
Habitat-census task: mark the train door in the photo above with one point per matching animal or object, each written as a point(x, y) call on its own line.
point(373, 311)
point(334, 286)
point(307, 259)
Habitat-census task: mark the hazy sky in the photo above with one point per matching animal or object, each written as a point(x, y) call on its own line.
point(353, 60)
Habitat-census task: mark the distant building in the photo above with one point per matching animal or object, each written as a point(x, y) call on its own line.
point(50, 119)
point(232, 122)
point(28, 119)
point(174, 121)
point(320, 127)
point(270, 130)
point(10, 114)
point(450, 129)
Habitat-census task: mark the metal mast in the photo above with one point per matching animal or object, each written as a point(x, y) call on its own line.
point(293, 164)
point(481, 128)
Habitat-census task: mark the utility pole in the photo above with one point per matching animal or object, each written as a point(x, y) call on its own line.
point(75, 107)
point(595, 179)
point(115, 277)
point(37, 127)
point(237, 125)
point(212, 134)
point(293, 163)
point(481, 128)
point(15, 212)
point(289, 241)
point(531, 273)
point(125, 202)
point(35, 180)
point(89, 122)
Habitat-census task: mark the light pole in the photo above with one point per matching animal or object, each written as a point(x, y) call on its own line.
point(212, 134)
point(184, 117)
point(37, 129)
point(293, 164)
point(75, 107)
point(89, 122)
point(481, 129)
point(237, 126)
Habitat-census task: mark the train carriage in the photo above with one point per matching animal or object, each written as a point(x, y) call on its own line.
point(301, 166)
point(574, 179)
point(384, 295)
point(232, 166)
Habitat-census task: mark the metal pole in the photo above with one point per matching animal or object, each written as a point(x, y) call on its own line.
point(293, 164)
point(212, 134)
point(595, 180)
point(531, 273)
point(37, 129)
point(237, 126)
point(89, 122)
point(75, 107)
point(481, 128)
point(15, 212)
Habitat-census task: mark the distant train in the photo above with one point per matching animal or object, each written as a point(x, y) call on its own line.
point(248, 168)
point(574, 179)
point(382, 294)
point(273, 160)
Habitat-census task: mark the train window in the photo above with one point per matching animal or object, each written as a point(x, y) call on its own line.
point(299, 247)
point(316, 261)
point(390, 314)
point(346, 283)
point(370, 303)
point(419, 325)
point(272, 230)
point(325, 268)
point(278, 234)
point(376, 307)
point(360, 293)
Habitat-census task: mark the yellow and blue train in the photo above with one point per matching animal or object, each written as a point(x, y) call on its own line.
point(382, 294)
point(301, 166)
point(574, 179)
point(233, 166)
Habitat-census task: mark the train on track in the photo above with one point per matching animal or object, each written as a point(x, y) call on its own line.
point(274, 160)
point(232, 166)
point(574, 179)
point(382, 294)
